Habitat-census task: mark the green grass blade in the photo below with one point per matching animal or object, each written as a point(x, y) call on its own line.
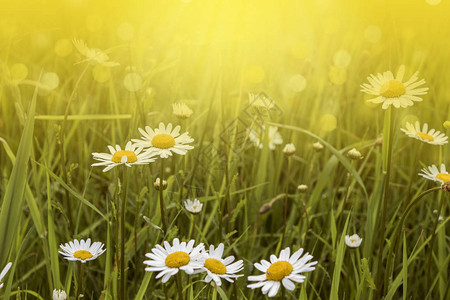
point(340, 253)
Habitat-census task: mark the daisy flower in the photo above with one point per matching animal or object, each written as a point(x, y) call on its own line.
point(431, 136)
point(194, 207)
point(181, 110)
point(81, 250)
point(163, 141)
point(168, 260)
point(434, 174)
point(59, 295)
point(130, 156)
point(392, 90)
point(93, 55)
point(283, 270)
point(3, 273)
point(216, 267)
point(274, 137)
point(353, 241)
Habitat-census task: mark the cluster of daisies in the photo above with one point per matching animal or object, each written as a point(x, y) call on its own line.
point(390, 90)
point(284, 270)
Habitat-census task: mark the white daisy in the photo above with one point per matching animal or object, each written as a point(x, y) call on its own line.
point(434, 174)
point(274, 137)
point(59, 295)
point(81, 250)
point(3, 273)
point(181, 110)
point(283, 270)
point(353, 241)
point(163, 141)
point(194, 206)
point(130, 156)
point(431, 136)
point(216, 267)
point(170, 259)
point(93, 55)
point(392, 90)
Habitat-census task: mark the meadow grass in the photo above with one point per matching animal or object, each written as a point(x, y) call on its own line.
point(210, 57)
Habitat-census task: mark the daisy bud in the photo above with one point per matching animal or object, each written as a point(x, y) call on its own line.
point(446, 186)
point(265, 208)
point(158, 185)
point(354, 154)
point(317, 146)
point(302, 188)
point(379, 141)
point(181, 110)
point(59, 295)
point(447, 124)
point(353, 241)
point(289, 149)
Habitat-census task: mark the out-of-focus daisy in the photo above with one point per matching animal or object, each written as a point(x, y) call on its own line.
point(217, 267)
point(132, 155)
point(354, 154)
point(289, 149)
point(392, 90)
point(274, 137)
point(194, 206)
point(283, 270)
point(168, 260)
point(431, 136)
point(163, 141)
point(59, 295)
point(260, 101)
point(434, 174)
point(3, 273)
point(160, 185)
point(302, 188)
point(181, 110)
point(317, 146)
point(81, 250)
point(93, 55)
point(353, 241)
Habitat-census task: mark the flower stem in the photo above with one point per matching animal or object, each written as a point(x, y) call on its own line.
point(80, 279)
point(122, 235)
point(161, 198)
point(285, 204)
point(179, 286)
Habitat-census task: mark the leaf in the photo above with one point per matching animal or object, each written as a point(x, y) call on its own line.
point(366, 273)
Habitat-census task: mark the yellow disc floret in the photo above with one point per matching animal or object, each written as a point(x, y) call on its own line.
point(444, 177)
point(82, 254)
point(163, 141)
point(425, 136)
point(131, 156)
point(215, 266)
point(177, 259)
point(278, 270)
point(392, 89)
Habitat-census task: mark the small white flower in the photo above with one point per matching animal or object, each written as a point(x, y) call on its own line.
point(3, 273)
point(194, 206)
point(181, 110)
point(168, 260)
point(128, 157)
point(283, 270)
point(163, 141)
point(289, 149)
point(353, 241)
point(433, 173)
point(93, 55)
point(274, 137)
point(317, 146)
point(81, 250)
point(354, 154)
point(217, 267)
point(431, 136)
point(59, 295)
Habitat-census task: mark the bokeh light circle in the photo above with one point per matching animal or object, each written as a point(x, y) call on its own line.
point(132, 82)
point(297, 83)
point(18, 72)
point(50, 80)
point(372, 33)
point(63, 47)
point(328, 122)
point(342, 59)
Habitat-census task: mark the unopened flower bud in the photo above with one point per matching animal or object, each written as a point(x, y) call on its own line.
point(317, 146)
point(289, 149)
point(379, 141)
point(447, 124)
point(158, 185)
point(265, 208)
point(302, 188)
point(354, 154)
point(446, 186)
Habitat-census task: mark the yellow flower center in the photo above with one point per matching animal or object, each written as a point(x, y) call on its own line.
point(425, 136)
point(82, 254)
point(277, 271)
point(163, 141)
point(215, 266)
point(177, 259)
point(131, 156)
point(444, 177)
point(392, 89)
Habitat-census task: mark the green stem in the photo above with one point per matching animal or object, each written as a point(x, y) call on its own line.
point(283, 293)
point(179, 286)
point(161, 199)
point(433, 235)
point(285, 204)
point(122, 235)
point(80, 279)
